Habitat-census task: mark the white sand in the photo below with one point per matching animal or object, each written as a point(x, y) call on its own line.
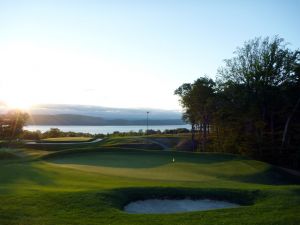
point(174, 206)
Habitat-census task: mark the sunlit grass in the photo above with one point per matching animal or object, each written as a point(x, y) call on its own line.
point(66, 139)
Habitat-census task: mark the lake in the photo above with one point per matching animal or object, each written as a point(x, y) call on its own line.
point(104, 129)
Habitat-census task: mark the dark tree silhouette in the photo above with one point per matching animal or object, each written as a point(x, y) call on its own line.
point(253, 107)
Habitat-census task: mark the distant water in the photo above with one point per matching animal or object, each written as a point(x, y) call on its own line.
point(104, 129)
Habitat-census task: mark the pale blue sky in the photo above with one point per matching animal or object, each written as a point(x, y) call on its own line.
point(126, 53)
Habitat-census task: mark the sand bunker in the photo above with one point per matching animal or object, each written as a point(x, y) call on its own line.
point(174, 206)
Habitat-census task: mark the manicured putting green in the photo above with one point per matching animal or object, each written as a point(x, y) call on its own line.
point(160, 165)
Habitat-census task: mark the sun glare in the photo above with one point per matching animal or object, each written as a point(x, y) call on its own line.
point(19, 104)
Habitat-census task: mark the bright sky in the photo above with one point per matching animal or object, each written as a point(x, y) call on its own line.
point(126, 53)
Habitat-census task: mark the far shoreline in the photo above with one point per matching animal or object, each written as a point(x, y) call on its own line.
point(105, 129)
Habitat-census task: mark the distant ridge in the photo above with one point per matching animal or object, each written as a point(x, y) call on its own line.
point(71, 119)
point(105, 112)
point(63, 114)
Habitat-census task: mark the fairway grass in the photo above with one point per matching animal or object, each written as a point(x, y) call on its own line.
point(91, 185)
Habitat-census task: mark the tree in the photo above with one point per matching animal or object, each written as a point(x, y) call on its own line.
point(197, 101)
point(265, 70)
point(254, 105)
point(11, 124)
point(31, 135)
point(189, 114)
point(53, 133)
point(296, 106)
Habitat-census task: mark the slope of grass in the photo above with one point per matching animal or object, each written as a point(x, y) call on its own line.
point(91, 185)
point(6, 153)
point(142, 142)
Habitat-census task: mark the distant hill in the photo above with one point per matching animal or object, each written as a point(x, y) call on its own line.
point(105, 112)
point(62, 114)
point(71, 119)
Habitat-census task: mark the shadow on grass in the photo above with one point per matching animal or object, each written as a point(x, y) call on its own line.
point(123, 196)
point(149, 146)
point(271, 176)
point(59, 147)
point(131, 142)
point(23, 172)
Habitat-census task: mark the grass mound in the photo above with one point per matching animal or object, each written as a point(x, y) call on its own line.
point(131, 142)
point(160, 165)
point(6, 153)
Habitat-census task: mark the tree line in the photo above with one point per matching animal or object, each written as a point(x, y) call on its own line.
point(55, 133)
point(252, 107)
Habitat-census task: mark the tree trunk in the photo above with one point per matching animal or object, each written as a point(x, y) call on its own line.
point(287, 123)
point(218, 139)
point(208, 129)
point(200, 136)
point(204, 136)
point(272, 128)
point(193, 137)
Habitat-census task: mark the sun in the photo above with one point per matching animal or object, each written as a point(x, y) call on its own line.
point(19, 104)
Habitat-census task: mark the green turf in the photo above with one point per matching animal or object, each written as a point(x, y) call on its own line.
point(90, 184)
point(142, 142)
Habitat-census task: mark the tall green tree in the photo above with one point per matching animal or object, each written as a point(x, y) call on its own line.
point(265, 70)
point(197, 99)
point(254, 106)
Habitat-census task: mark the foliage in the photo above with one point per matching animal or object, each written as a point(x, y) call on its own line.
point(250, 107)
point(198, 101)
point(11, 124)
point(55, 133)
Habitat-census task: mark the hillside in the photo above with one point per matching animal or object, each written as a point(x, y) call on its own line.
point(105, 112)
point(72, 119)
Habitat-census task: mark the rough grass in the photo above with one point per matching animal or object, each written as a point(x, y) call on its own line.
point(171, 142)
point(6, 153)
point(131, 142)
point(91, 184)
